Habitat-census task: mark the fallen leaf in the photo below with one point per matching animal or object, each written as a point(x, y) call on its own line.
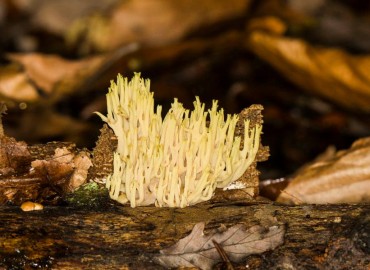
point(335, 177)
point(65, 168)
point(33, 77)
point(198, 250)
point(151, 23)
point(82, 163)
point(51, 74)
point(327, 72)
point(58, 169)
point(57, 15)
point(14, 85)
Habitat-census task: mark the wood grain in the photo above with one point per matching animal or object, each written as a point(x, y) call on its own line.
point(119, 237)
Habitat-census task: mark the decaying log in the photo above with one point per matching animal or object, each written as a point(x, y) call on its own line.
point(119, 237)
point(35, 181)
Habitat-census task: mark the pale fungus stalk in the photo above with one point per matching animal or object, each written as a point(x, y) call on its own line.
point(176, 161)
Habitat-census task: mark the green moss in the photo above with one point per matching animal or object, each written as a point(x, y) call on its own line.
point(89, 195)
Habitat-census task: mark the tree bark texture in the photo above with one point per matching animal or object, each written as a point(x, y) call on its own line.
point(120, 237)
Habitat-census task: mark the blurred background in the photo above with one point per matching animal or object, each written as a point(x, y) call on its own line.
point(306, 62)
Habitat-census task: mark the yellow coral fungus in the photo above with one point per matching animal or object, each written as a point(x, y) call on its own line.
point(176, 161)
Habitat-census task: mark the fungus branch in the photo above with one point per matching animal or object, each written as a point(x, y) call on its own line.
point(176, 161)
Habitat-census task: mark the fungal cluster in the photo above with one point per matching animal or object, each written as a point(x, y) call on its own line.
point(174, 161)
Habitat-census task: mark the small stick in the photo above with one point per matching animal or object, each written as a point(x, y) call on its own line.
point(223, 256)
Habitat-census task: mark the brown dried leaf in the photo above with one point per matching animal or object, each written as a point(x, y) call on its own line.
point(14, 85)
point(198, 250)
point(327, 72)
point(65, 168)
point(151, 22)
point(58, 169)
point(82, 163)
point(336, 177)
point(52, 74)
point(57, 15)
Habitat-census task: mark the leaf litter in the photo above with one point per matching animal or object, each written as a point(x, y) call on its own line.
point(198, 249)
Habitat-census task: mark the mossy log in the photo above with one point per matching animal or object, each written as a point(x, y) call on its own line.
point(111, 236)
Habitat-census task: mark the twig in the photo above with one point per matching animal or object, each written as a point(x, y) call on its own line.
point(223, 256)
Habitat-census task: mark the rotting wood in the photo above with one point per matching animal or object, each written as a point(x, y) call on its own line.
point(116, 237)
point(22, 185)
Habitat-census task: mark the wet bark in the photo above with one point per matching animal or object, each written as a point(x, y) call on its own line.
point(114, 237)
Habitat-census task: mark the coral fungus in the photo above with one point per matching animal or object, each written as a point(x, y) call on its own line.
point(176, 161)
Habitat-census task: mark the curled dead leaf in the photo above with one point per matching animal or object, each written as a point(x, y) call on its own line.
point(65, 169)
point(327, 72)
point(336, 177)
point(14, 85)
point(139, 21)
point(82, 163)
point(56, 16)
point(198, 250)
point(52, 74)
